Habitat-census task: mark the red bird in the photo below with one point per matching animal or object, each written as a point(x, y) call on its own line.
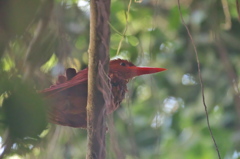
point(68, 98)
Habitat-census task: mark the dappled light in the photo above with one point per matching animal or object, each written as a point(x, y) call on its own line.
point(158, 115)
point(188, 79)
point(158, 120)
point(172, 104)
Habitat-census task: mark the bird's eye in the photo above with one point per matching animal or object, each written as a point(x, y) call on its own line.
point(123, 64)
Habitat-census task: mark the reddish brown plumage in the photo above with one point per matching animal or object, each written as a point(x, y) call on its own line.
point(68, 98)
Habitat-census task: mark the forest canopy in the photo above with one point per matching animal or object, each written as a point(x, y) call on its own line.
point(163, 115)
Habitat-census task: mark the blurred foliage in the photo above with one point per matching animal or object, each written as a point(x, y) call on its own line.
point(163, 115)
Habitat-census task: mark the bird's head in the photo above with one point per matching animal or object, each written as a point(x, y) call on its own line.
point(127, 70)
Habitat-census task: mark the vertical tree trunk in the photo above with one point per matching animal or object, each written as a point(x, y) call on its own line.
point(98, 87)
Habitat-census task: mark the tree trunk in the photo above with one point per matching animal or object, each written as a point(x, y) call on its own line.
point(98, 82)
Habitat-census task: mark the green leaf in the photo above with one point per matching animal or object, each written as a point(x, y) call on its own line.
point(133, 40)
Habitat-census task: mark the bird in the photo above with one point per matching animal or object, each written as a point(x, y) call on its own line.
point(68, 97)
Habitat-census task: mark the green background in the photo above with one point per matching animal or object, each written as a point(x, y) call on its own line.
point(163, 115)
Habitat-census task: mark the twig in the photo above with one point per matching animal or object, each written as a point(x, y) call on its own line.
point(126, 27)
point(113, 139)
point(232, 76)
point(238, 9)
point(200, 78)
point(6, 146)
point(47, 8)
point(113, 28)
point(228, 23)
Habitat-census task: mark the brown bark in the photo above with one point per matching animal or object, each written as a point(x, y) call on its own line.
point(98, 85)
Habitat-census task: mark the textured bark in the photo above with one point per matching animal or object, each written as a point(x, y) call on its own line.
point(98, 87)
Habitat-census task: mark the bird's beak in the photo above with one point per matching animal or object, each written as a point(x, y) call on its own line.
point(138, 71)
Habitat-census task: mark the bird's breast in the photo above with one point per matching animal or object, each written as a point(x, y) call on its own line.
point(119, 88)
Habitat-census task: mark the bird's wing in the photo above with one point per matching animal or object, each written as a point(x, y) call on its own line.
point(68, 101)
point(68, 107)
point(80, 78)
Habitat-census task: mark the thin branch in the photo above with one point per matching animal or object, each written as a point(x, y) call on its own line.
point(228, 22)
point(46, 10)
point(232, 76)
point(113, 28)
point(126, 27)
point(201, 80)
point(6, 146)
point(138, 1)
point(238, 9)
point(113, 139)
